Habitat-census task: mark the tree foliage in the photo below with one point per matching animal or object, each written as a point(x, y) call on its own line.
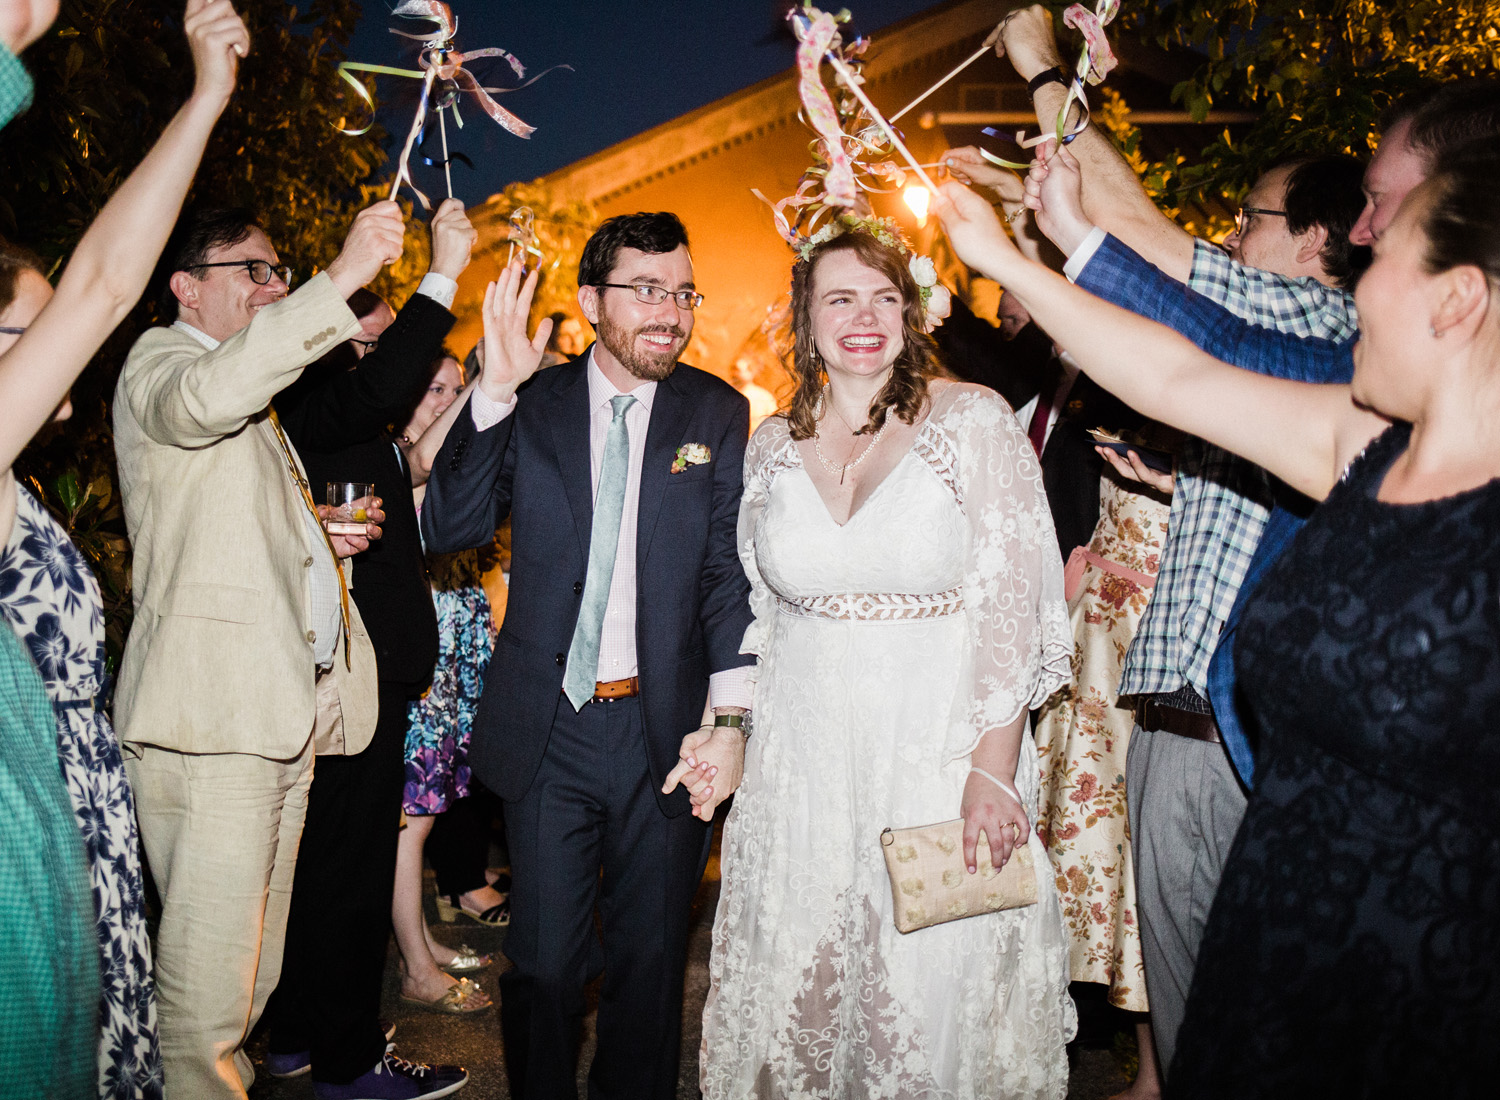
point(109, 76)
point(1317, 72)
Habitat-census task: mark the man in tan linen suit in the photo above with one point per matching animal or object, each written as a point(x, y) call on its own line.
point(239, 665)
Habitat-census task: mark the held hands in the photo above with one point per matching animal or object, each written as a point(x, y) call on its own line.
point(453, 237)
point(218, 40)
point(711, 766)
point(1026, 37)
point(375, 239)
point(509, 356)
point(989, 810)
point(1054, 190)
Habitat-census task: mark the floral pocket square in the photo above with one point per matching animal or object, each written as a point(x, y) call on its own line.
point(690, 454)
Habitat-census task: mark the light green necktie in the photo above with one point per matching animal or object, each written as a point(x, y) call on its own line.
point(604, 540)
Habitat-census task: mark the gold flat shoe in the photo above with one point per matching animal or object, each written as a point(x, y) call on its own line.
point(466, 961)
point(462, 998)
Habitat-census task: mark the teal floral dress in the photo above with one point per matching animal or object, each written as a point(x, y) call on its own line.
point(50, 598)
point(49, 965)
point(437, 740)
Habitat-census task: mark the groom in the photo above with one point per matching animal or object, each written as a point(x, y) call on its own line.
point(620, 472)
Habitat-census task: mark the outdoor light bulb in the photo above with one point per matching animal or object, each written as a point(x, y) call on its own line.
point(917, 197)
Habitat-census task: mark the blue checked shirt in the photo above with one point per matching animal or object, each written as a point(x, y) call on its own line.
point(1220, 502)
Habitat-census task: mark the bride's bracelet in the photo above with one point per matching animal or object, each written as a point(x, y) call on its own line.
point(1002, 784)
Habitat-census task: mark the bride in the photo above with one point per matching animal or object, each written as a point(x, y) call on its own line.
point(909, 611)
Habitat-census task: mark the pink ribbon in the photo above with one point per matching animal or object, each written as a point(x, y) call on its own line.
point(816, 32)
point(1097, 55)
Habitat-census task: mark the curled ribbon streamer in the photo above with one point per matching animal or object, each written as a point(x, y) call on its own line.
point(439, 61)
point(1097, 59)
point(1095, 62)
point(816, 34)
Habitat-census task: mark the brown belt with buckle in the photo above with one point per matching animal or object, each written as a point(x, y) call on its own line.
point(628, 688)
point(1151, 715)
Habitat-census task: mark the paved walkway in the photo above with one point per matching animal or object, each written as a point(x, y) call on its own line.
point(474, 1041)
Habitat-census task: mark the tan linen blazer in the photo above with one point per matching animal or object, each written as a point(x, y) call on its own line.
point(220, 657)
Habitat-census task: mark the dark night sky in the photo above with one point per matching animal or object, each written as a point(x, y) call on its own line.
point(637, 64)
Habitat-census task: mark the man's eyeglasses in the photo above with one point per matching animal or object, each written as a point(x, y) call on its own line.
point(656, 295)
point(11, 330)
point(1242, 218)
point(259, 270)
point(368, 345)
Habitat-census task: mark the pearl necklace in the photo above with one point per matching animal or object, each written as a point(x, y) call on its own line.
point(834, 467)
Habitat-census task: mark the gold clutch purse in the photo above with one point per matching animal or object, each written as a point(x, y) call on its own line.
point(931, 885)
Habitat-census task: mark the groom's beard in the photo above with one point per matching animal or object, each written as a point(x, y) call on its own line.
point(635, 355)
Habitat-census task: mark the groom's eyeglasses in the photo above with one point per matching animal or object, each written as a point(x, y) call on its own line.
point(260, 271)
point(656, 295)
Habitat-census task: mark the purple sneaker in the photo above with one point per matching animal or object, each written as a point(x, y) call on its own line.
point(295, 1065)
point(394, 1078)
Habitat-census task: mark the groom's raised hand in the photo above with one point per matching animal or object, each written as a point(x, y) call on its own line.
point(510, 357)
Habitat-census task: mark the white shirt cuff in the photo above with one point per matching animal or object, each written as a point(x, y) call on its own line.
point(731, 688)
point(1083, 254)
point(439, 288)
point(486, 411)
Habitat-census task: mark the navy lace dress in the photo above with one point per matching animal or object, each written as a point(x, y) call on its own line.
point(1353, 949)
point(51, 600)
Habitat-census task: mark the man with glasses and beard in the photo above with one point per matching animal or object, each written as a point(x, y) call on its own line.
point(620, 472)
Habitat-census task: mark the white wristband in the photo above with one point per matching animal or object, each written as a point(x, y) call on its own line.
point(1002, 784)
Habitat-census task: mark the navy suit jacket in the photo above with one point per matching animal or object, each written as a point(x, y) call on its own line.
point(693, 599)
point(1120, 275)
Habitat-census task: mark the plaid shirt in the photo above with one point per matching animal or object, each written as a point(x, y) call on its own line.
point(1219, 502)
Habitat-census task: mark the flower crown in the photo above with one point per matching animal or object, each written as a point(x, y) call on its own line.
point(847, 163)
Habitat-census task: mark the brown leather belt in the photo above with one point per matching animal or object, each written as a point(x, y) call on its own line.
point(628, 688)
point(1151, 715)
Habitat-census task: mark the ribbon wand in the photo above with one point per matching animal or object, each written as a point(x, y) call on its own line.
point(403, 171)
point(850, 80)
point(447, 160)
point(960, 67)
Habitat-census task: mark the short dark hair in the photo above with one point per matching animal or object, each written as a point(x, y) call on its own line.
point(1446, 115)
point(1326, 191)
point(199, 231)
point(654, 233)
point(365, 301)
point(1463, 219)
point(13, 260)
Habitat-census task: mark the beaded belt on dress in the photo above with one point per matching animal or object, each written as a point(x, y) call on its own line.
point(876, 606)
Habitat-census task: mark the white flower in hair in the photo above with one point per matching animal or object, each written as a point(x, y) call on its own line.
point(923, 271)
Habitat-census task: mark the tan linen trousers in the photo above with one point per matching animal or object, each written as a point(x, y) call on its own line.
point(221, 832)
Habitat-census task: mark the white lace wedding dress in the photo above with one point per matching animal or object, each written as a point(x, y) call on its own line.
point(887, 647)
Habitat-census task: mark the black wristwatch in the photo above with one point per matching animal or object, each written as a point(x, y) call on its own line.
point(1054, 75)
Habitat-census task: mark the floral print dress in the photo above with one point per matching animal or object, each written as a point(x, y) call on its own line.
point(51, 600)
point(1082, 734)
point(437, 739)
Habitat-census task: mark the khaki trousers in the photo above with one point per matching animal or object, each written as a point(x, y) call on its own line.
point(221, 832)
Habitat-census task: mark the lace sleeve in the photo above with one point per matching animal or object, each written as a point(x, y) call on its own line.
point(1020, 643)
point(770, 450)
